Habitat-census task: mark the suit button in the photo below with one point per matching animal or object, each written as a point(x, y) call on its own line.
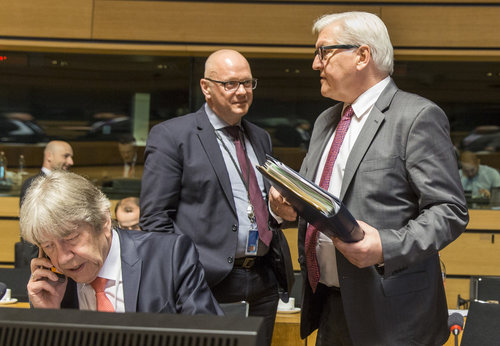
point(235, 228)
point(229, 260)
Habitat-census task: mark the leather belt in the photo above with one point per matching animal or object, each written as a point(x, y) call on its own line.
point(246, 262)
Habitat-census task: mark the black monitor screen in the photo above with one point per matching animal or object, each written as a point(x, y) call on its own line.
point(43, 327)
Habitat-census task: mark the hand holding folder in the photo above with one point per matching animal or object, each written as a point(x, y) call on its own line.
point(320, 208)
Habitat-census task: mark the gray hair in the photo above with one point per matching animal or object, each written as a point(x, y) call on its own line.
point(56, 204)
point(362, 28)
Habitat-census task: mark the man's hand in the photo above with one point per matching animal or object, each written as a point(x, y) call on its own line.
point(280, 206)
point(364, 253)
point(44, 290)
point(484, 193)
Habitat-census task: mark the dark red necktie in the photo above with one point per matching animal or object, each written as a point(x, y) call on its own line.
point(255, 194)
point(312, 232)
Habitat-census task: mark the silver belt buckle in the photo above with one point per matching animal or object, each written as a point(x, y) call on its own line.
point(248, 262)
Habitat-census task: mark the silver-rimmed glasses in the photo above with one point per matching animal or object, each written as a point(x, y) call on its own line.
point(323, 50)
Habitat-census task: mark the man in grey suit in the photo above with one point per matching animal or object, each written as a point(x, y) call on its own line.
point(194, 179)
point(396, 171)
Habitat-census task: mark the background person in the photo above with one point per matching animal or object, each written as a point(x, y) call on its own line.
point(476, 178)
point(57, 155)
point(193, 179)
point(128, 151)
point(143, 272)
point(387, 154)
point(127, 212)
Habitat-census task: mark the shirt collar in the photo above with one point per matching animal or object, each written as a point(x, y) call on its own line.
point(365, 102)
point(46, 170)
point(216, 122)
point(112, 263)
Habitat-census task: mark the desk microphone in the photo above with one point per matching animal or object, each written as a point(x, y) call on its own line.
point(3, 289)
point(455, 324)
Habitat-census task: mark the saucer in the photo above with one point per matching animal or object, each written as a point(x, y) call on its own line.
point(6, 302)
point(291, 311)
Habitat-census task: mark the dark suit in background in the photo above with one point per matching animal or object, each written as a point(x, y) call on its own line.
point(161, 273)
point(186, 183)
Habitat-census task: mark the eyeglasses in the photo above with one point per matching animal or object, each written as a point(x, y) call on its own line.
point(321, 50)
point(233, 85)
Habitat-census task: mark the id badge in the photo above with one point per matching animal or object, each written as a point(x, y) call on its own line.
point(252, 242)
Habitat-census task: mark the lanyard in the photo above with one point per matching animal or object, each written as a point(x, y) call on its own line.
point(246, 183)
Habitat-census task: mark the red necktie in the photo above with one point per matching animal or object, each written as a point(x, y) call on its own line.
point(102, 301)
point(259, 206)
point(311, 232)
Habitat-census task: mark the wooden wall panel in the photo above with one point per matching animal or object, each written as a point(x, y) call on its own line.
point(10, 234)
point(228, 23)
point(46, 18)
point(473, 254)
point(443, 26)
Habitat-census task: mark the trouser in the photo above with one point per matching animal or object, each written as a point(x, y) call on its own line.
point(258, 287)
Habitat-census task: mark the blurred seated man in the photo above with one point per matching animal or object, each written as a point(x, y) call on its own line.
point(128, 152)
point(57, 155)
point(106, 269)
point(477, 178)
point(127, 213)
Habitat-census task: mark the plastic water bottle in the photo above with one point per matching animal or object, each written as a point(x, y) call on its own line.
point(3, 166)
point(21, 164)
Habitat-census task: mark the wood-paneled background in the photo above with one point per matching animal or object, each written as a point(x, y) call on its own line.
point(419, 29)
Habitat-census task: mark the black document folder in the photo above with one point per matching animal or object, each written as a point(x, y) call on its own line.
point(320, 208)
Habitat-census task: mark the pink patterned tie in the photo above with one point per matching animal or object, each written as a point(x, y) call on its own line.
point(102, 301)
point(259, 206)
point(311, 232)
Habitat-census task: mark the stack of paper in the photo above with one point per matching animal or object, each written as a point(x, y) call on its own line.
point(316, 205)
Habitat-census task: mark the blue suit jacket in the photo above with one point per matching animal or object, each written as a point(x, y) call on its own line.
point(161, 273)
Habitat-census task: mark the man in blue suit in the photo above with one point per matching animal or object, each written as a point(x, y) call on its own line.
point(193, 179)
point(69, 219)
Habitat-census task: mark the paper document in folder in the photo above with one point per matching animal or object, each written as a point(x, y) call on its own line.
point(320, 208)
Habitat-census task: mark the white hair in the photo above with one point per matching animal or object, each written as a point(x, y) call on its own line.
point(56, 204)
point(362, 28)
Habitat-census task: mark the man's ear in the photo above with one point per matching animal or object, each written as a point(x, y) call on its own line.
point(205, 88)
point(364, 57)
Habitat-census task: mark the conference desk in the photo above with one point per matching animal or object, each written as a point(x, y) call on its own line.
point(287, 331)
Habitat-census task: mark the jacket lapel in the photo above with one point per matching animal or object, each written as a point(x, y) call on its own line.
point(131, 271)
point(366, 136)
point(326, 130)
point(212, 149)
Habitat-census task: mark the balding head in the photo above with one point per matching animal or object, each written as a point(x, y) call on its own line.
point(127, 213)
point(222, 66)
point(58, 155)
point(470, 163)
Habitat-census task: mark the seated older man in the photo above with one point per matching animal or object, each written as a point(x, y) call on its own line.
point(105, 269)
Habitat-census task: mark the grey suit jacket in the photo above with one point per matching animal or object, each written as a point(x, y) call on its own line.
point(402, 178)
point(161, 273)
point(185, 182)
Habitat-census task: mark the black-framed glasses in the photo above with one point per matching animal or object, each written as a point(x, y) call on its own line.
point(321, 50)
point(233, 85)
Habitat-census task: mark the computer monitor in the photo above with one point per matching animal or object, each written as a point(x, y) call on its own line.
point(44, 327)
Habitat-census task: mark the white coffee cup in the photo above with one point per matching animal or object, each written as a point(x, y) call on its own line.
point(287, 306)
point(6, 297)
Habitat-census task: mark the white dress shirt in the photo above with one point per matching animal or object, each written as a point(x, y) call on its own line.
point(362, 106)
point(111, 270)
